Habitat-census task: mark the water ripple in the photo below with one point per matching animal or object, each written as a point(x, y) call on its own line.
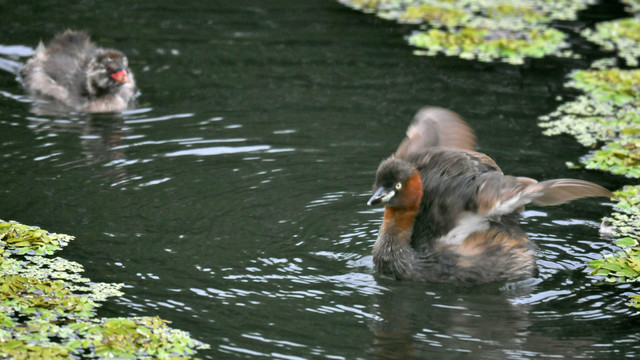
point(259, 337)
point(356, 310)
point(218, 150)
point(158, 118)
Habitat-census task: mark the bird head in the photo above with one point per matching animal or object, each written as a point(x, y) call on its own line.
point(397, 184)
point(108, 70)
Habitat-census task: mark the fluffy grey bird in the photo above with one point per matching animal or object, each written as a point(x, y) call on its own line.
point(74, 71)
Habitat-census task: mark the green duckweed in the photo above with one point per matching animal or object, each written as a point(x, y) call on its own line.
point(485, 30)
point(435, 15)
point(607, 116)
point(621, 35)
point(20, 239)
point(490, 45)
point(624, 265)
point(48, 309)
point(632, 6)
point(609, 85)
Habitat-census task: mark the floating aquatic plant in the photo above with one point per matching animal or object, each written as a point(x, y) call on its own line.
point(370, 6)
point(532, 11)
point(617, 157)
point(48, 309)
point(535, 10)
point(486, 30)
point(625, 220)
point(20, 239)
point(608, 114)
point(592, 122)
point(621, 35)
point(622, 87)
point(624, 265)
point(489, 45)
point(632, 5)
point(434, 14)
point(511, 16)
point(120, 338)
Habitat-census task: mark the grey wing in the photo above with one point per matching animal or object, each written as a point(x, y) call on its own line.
point(436, 127)
point(558, 191)
point(36, 78)
point(499, 195)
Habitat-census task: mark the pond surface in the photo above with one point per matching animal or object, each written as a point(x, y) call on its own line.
point(232, 202)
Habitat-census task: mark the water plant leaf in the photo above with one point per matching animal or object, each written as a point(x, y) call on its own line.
point(623, 266)
point(484, 30)
point(48, 310)
point(622, 35)
point(626, 241)
point(608, 114)
point(485, 44)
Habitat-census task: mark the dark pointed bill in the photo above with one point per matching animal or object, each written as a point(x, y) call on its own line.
point(382, 195)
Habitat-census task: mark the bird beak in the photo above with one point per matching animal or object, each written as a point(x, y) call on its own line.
point(382, 195)
point(120, 76)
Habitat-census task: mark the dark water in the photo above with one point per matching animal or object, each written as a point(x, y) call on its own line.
point(232, 202)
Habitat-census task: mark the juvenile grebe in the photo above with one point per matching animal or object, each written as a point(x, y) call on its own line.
point(74, 71)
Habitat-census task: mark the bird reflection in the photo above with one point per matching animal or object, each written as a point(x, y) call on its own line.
point(419, 321)
point(100, 137)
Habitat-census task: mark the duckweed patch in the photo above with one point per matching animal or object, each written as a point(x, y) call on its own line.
point(20, 239)
point(621, 35)
point(607, 116)
point(623, 266)
point(48, 309)
point(487, 45)
point(434, 14)
point(617, 157)
point(632, 5)
point(484, 30)
point(625, 220)
point(609, 85)
point(530, 11)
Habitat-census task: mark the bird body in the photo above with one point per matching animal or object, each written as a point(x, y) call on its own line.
point(74, 71)
point(451, 215)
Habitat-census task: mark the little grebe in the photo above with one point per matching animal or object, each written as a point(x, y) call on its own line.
point(451, 215)
point(73, 70)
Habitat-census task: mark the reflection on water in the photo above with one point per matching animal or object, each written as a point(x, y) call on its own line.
point(484, 324)
point(233, 200)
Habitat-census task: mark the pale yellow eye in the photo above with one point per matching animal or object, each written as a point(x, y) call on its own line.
point(398, 186)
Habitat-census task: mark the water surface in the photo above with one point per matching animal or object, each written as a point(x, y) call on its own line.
point(232, 201)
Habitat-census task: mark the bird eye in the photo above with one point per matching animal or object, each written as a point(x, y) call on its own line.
point(398, 186)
